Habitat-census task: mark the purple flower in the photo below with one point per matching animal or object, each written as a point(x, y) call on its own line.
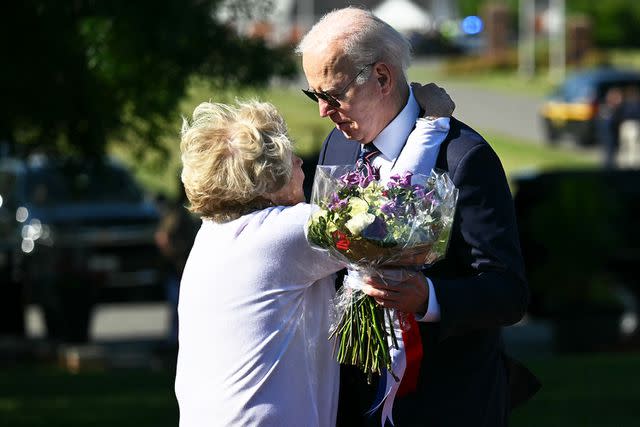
point(365, 180)
point(403, 181)
point(350, 179)
point(389, 208)
point(361, 178)
point(418, 191)
point(377, 230)
point(337, 203)
point(372, 171)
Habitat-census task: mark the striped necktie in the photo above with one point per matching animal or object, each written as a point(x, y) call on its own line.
point(368, 152)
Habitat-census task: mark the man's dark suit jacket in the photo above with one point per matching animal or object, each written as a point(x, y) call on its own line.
point(465, 377)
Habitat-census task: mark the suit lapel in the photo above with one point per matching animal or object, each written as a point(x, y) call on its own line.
point(442, 162)
point(339, 150)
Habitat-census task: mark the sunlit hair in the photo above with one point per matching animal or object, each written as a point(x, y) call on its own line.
point(232, 156)
point(364, 39)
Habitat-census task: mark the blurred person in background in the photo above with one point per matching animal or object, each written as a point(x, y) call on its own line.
point(355, 65)
point(174, 237)
point(608, 124)
point(629, 131)
point(254, 308)
point(631, 103)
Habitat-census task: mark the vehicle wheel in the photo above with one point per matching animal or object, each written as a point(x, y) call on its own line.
point(12, 301)
point(68, 314)
point(70, 326)
point(551, 132)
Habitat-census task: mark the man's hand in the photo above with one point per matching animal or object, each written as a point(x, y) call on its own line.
point(433, 99)
point(400, 289)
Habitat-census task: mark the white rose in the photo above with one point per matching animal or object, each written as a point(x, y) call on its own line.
point(359, 223)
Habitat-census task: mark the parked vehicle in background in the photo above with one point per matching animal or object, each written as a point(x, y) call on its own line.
point(74, 233)
point(573, 108)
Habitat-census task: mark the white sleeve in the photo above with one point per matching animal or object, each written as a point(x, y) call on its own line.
point(311, 264)
point(433, 308)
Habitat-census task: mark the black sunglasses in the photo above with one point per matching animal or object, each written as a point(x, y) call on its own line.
point(332, 99)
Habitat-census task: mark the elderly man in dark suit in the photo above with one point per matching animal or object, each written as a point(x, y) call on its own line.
point(355, 66)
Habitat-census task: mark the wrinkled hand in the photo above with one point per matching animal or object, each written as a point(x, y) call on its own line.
point(400, 289)
point(434, 100)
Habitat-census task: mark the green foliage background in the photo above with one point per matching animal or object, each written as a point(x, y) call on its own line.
point(77, 73)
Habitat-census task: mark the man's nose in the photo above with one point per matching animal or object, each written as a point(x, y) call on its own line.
point(324, 108)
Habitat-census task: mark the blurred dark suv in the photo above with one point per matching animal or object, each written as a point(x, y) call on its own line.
point(73, 234)
point(572, 109)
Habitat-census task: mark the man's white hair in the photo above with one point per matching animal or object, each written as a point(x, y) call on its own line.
point(363, 37)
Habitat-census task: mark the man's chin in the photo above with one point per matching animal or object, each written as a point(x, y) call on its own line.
point(348, 135)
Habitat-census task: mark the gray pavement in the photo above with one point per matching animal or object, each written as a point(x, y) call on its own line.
point(129, 333)
point(514, 115)
point(148, 321)
point(121, 336)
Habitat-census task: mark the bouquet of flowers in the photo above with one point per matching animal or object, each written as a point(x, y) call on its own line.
point(367, 224)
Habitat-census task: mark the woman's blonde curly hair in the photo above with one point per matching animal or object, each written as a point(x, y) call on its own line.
point(232, 156)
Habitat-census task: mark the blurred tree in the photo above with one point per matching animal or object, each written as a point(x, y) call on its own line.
point(615, 22)
point(75, 73)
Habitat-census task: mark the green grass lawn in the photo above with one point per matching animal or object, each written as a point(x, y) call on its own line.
point(518, 156)
point(600, 390)
point(39, 396)
point(597, 390)
point(501, 81)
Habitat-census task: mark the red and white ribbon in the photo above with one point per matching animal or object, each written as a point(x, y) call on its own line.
point(405, 364)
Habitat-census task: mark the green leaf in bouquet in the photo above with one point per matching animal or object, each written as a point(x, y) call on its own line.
point(317, 231)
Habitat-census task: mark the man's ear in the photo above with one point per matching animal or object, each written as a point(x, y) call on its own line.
point(384, 77)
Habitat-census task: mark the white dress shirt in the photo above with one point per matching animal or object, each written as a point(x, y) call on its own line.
point(410, 143)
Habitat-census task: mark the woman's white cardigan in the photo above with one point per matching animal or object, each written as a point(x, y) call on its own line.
point(254, 316)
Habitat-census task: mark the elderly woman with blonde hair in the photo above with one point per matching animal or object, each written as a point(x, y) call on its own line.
point(254, 296)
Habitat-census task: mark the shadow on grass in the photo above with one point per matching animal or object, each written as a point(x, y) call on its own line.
point(591, 390)
point(53, 397)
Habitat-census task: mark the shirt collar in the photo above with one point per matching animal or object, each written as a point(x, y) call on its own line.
point(392, 138)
